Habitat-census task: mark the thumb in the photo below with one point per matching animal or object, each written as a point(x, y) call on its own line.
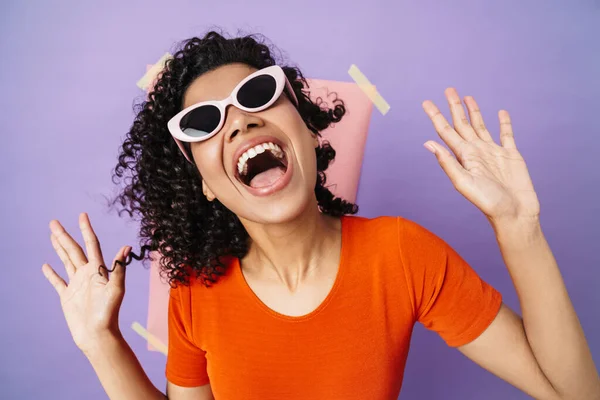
point(117, 277)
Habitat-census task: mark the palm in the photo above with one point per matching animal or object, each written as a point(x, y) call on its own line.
point(497, 181)
point(494, 178)
point(89, 304)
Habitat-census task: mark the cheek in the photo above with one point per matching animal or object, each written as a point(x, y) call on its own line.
point(310, 163)
point(304, 145)
point(208, 158)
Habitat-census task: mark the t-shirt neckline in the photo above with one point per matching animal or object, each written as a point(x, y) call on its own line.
point(239, 276)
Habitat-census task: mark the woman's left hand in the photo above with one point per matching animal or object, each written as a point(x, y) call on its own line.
point(494, 178)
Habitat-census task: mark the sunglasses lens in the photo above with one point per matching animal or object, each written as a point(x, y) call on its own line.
point(200, 121)
point(257, 91)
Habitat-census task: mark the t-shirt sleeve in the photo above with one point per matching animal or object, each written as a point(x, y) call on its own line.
point(448, 296)
point(186, 362)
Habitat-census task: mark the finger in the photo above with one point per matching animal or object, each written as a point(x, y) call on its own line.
point(117, 278)
point(64, 257)
point(73, 250)
point(92, 245)
point(449, 163)
point(442, 127)
point(507, 137)
point(477, 120)
point(59, 284)
point(459, 118)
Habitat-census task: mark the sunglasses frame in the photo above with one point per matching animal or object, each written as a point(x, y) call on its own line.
point(281, 82)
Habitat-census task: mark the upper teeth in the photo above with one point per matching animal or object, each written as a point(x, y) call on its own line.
point(254, 151)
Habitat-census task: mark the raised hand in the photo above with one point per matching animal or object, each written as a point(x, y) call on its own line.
point(91, 299)
point(492, 177)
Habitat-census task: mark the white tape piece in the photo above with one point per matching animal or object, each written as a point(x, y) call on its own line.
point(150, 75)
point(369, 89)
point(153, 340)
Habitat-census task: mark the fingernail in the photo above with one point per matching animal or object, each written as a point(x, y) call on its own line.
point(127, 250)
point(429, 147)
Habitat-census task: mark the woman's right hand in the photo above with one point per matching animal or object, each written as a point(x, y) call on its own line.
point(91, 300)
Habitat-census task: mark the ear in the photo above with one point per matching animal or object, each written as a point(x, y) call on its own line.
point(316, 140)
point(210, 196)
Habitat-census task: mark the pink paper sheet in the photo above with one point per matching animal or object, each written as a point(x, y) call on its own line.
point(347, 137)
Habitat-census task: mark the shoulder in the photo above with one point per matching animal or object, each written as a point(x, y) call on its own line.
point(371, 235)
point(411, 231)
point(387, 225)
point(393, 231)
point(371, 225)
point(200, 288)
point(369, 232)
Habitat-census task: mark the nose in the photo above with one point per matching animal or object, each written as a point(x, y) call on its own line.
point(239, 121)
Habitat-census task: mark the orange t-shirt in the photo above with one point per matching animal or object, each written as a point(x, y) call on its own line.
point(354, 345)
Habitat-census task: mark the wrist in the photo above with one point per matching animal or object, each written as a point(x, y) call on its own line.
point(102, 342)
point(518, 231)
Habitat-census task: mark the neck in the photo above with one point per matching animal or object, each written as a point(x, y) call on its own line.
point(294, 251)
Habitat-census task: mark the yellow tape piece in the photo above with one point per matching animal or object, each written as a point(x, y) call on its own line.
point(153, 72)
point(153, 340)
point(369, 89)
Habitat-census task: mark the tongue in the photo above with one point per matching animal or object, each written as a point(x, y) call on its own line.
point(267, 178)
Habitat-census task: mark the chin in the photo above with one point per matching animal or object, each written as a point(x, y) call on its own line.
point(285, 208)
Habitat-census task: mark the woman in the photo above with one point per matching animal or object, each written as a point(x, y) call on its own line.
point(276, 292)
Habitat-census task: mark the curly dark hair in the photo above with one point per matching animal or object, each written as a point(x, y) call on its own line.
point(192, 234)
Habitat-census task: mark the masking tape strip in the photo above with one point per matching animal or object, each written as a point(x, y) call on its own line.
point(369, 89)
point(153, 340)
point(153, 72)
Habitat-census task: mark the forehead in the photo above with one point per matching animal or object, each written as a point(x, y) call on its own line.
point(216, 84)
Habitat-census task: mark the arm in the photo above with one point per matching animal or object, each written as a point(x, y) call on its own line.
point(91, 302)
point(122, 376)
point(203, 392)
point(545, 354)
point(120, 372)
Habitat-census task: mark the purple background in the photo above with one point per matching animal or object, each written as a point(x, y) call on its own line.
point(68, 79)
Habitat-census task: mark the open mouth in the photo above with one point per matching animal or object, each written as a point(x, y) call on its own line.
point(262, 165)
